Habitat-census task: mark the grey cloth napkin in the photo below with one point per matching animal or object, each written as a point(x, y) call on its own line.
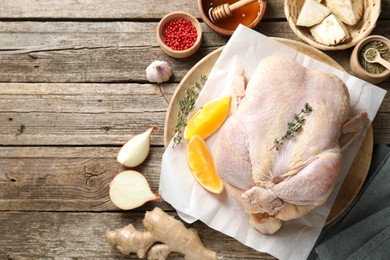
point(363, 231)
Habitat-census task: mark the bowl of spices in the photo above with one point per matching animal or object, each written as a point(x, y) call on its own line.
point(363, 57)
point(179, 34)
point(223, 16)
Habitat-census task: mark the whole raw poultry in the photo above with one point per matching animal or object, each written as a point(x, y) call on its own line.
point(276, 184)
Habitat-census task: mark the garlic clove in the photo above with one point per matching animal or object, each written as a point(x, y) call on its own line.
point(135, 151)
point(130, 189)
point(158, 71)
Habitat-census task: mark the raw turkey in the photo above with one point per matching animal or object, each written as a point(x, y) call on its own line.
point(283, 182)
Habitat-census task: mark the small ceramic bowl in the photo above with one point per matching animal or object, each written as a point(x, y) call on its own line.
point(356, 66)
point(249, 15)
point(363, 28)
point(179, 53)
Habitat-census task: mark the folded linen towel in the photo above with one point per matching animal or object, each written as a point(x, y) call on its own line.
point(363, 231)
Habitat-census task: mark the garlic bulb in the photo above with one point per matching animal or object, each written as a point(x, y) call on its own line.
point(135, 151)
point(158, 71)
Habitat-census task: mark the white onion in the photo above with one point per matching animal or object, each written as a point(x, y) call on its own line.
point(135, 151)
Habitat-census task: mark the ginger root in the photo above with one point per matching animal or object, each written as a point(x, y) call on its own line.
point(176, 236)
point(160, 227)
point(129, 240)
point(158, 252)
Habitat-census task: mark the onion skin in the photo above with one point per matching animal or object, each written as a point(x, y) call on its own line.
point(136, 150)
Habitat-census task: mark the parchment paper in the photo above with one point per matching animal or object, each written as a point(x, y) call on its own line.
point(178, 187)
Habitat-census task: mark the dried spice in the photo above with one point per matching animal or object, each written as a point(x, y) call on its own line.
point(370, 54)
point(384, 52)
point(180, 34)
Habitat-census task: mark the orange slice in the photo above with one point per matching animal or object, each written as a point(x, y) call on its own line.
point(208, 119)
point(201, 164)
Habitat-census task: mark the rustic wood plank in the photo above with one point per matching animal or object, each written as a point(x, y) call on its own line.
point(69, 57)
point(66, 178)
point(115, 9)
point(89, 65)
point(81, 235)
point(98, 114)
point(108, 9)
point(24, 37)
point(81, 53)
point(93, 9)
point(380, 124)
point(87, 52)
point(81, 114)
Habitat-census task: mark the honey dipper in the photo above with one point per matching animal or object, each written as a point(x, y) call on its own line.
point(225, 11)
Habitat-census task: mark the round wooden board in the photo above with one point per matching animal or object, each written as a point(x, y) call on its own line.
point(359, 169)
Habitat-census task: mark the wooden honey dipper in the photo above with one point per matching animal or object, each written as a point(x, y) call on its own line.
point(225, 11)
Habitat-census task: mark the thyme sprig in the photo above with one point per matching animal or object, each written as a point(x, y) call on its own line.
point(293, 127)
point(186, 105)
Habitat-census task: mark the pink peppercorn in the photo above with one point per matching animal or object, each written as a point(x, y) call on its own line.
point(179, 34)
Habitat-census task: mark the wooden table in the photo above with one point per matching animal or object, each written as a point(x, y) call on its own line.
point(72, 90)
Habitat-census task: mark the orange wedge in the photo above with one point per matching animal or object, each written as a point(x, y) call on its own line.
point(201, 164)
point(208, 119)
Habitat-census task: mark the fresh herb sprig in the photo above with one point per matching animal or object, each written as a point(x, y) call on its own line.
point(186, 105)
point(293, 127)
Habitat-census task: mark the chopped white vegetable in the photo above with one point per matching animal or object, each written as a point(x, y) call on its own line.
point(312, 13)
point(130, 189)
point(348, 11)
point(330, 31)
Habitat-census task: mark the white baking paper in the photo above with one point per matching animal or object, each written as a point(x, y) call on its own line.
point(296, 238)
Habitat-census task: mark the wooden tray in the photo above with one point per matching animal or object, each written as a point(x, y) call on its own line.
point(359, 169)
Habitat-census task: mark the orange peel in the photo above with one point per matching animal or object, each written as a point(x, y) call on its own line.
point(208, 119)
point(201, 164)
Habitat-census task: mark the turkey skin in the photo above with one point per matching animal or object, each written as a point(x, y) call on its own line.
point(283, 182)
